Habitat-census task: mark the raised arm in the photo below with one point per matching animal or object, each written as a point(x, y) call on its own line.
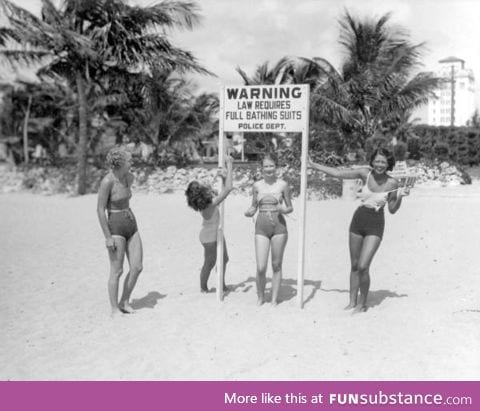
point(335, 172)
point(253, 208)
point(227, 183)
point(395, 197)
point(286, 208)
point(103, 194)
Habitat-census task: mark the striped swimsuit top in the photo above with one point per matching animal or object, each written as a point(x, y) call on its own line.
point(269, 201)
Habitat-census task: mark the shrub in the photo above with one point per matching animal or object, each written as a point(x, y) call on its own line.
point(441, 151)
point(413, 148)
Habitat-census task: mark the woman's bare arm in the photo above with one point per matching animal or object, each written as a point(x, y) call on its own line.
point(228, 183)
point(287, 208)
point(343, 174)
point(253, 208)
point(103, 195)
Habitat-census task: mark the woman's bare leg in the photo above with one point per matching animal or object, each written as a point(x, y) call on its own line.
point(278, 242)
point(116, 257)
point(262, 248)
point(135, 260)
point(369, 248)
point(355, 246)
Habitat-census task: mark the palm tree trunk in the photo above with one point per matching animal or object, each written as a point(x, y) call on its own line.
point(25, 130)
point(82, 136)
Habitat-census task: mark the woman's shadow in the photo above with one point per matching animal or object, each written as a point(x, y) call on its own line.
point(378, 296)
point(374, 297)
point(149, 301)
point(287, 291)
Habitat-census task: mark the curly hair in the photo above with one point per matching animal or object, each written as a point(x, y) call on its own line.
point(199, 197)
point(385, 153)
point(117, 156)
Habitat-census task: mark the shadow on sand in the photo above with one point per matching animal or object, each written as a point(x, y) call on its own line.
point(374, 297)
point(149, 301)
point(288, 289)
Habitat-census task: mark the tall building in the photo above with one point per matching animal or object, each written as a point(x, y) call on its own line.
point(455, 102)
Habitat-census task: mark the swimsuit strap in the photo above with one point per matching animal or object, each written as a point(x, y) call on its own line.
point(376, 192)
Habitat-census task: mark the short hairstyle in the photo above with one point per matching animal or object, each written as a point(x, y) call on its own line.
point(385, 153)
point(199, 197)
point(117, 156)
point(270, 156)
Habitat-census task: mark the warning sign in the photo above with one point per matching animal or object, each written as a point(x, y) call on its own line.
point(266, 108)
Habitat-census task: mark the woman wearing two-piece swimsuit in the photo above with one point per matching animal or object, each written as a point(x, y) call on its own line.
point(368, 222)
point(271, 197)
point(119, 228)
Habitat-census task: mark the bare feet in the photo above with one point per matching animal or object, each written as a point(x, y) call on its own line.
point(204, 290)
point(115, 313)
point(260, 301)
point(350, 306)
point(360, 309)
point(126, 308)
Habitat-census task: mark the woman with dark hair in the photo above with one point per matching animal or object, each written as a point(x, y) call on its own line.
point(119, 228)
point(268, 195)
point(368, 222)
point(202, 198)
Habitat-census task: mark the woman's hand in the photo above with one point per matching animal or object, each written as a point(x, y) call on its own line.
point(250, 212)
point(110, 244)
point(281, 209)
point(310, 162)
point(403, 191)
point(221, 172)
point(229, 160)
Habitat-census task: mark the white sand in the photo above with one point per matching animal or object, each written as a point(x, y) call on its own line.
point(424, 323)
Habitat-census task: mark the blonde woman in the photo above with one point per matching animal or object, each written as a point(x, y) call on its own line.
point(119, 228)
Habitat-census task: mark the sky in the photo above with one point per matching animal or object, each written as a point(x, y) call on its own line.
point(247, 33)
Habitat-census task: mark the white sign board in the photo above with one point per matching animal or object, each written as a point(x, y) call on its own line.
point(267, 108)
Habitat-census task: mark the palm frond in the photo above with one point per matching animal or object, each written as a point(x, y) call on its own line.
point(18, 57)
point(171, 14)
point(247, 80)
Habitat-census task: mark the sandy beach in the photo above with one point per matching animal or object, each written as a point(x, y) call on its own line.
point(423, 322)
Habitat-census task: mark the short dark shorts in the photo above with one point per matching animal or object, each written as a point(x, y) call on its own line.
point(270, 223)
point(122, 223)
point(367, 221)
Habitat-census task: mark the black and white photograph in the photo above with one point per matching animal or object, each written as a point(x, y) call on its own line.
point(239, 190)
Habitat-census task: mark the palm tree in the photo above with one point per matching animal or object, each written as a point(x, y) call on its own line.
point(281, 73)
point(375, 83)
point(278, 74)
point(89, 40)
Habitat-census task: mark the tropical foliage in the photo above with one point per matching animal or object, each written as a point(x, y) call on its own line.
point(92, 43)
point(458, 144)
point(39, 112)
point(376, 83)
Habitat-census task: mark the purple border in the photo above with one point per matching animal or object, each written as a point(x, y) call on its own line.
point(204, 395)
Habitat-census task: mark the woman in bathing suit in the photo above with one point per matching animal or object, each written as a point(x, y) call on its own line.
point(268, 195)
point(202, 198)
point(368, 222)
point(119, 228)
